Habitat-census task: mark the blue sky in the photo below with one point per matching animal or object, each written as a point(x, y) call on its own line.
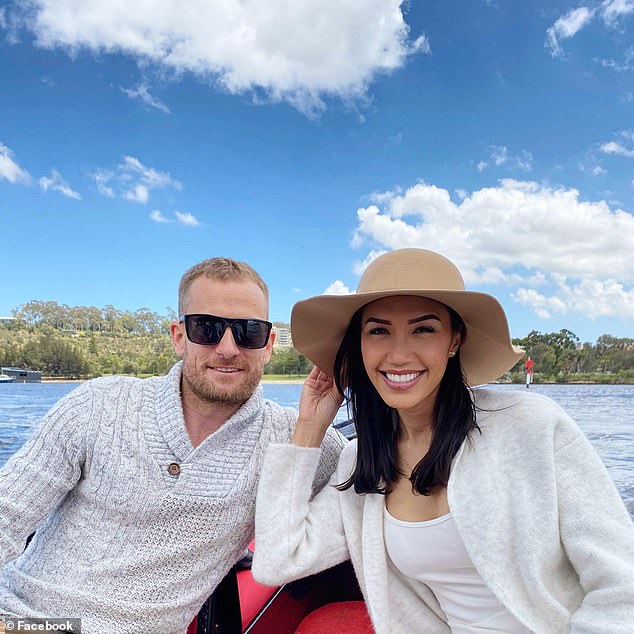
point(305, 137)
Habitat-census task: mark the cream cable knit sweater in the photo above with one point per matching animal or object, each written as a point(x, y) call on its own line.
point(120, 541)
point(534, 505)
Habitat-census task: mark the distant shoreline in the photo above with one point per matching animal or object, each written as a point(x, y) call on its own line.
point(300, 381)
point(264, 380)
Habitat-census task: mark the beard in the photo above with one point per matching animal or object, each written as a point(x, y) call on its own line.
point(205, 389)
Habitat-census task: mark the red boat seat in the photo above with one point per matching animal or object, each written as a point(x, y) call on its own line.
point(253, 596)
point(319, 604)
point(350, 617)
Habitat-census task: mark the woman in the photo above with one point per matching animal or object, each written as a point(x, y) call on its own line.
point(462, 510)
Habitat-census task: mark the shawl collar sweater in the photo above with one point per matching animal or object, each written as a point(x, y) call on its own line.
point(534, 505)
point(122, 542)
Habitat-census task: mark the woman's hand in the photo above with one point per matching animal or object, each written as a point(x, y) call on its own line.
point(318, 406)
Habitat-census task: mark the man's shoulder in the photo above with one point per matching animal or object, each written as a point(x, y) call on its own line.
point(278, 414)
point(105, 381)
point(112, 383)
point(108, 388)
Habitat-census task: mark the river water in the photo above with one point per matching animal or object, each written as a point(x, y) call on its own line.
point(604, 412)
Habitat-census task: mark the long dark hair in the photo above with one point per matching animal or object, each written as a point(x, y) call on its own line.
point(376, 422)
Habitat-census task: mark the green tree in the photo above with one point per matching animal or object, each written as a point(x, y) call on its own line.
point(54, 357)
point(286, 360)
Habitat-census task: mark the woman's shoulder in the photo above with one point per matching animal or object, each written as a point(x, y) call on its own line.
point(523, 412)
point(348, 457)
point(488, 399)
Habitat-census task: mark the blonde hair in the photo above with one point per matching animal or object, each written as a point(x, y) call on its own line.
point(222, 270)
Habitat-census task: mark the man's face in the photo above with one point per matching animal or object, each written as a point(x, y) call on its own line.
point(222, 373)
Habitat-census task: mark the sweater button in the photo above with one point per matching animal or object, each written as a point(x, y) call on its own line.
point(174, 469)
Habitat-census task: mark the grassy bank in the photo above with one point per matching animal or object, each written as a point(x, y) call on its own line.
point(284, 378)
point(623, 377)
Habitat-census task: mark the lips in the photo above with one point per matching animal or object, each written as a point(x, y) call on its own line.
point(401, 380)
point(225, 370)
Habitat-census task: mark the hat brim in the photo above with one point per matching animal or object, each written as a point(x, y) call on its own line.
point(318, 325)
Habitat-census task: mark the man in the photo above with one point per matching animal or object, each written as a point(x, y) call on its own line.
point(142, 492)
point(529, 364)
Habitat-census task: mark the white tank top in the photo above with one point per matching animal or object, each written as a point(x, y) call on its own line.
point(433, 553)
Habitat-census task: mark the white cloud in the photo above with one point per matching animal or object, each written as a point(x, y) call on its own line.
point(337, 288)
point(613, 147)
point(520, 234)
point(142, 93)
point(148, 175)
point(361, 266)
point(499, 155)
point(566, 27)
point(298, 51)
point(593, 298)
point(612, 10)
point(381, 197)
point(622, 67)
point(157, 216)
point(133, 181)
point(185, 218)
point(10, 170)
point(421, 45)
point(591, 164)
point(10, 24)
point(541, 305)
point(57, 184)
point(138, 194)
point(102, 178)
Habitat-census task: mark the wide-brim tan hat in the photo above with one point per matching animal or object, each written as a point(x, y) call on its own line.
point(318, 324)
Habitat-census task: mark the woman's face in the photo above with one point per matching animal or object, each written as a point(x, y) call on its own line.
point(405, 345)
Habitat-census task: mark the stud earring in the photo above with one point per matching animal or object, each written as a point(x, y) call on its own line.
point(452, 353)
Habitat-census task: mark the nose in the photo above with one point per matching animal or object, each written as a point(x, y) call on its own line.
point(399, 351)
point(227, 346)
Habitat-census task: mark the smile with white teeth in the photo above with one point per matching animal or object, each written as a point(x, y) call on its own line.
point(227, 369)
point(401, 378)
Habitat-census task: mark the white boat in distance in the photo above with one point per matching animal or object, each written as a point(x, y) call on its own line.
point(5, 378)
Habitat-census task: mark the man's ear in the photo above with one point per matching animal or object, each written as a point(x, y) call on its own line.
point(269, 346)
point(178, 335)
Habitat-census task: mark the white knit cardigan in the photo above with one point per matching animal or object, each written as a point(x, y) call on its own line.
point(537, 511)
point(123, 541)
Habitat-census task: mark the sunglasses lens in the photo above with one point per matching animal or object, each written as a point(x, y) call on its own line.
point(204, 330)
point(250, 333)
point(208, 330)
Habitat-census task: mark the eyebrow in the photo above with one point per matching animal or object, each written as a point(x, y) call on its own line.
point(387, 322)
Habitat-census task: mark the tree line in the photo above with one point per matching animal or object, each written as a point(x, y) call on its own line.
point(66, 318)
point(79, 342)
point(85, 341)
point(559, 356)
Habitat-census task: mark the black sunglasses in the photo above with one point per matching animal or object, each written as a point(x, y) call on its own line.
point(208, 330)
